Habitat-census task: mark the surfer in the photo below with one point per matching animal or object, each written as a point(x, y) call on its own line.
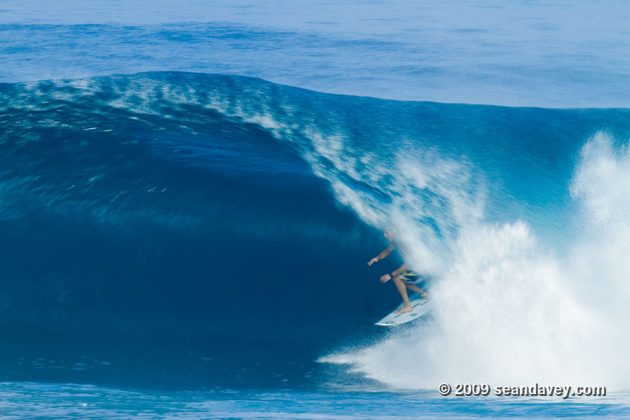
point(404, 278)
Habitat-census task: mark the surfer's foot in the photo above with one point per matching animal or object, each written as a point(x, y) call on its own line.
point(424, 295)
point(405, 309)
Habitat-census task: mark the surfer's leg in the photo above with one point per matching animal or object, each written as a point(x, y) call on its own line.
point(402, 289)
point(422, 293)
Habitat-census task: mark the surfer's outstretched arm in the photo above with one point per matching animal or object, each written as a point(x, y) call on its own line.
point(383, 254)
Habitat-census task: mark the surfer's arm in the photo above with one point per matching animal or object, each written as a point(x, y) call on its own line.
point(383, 254)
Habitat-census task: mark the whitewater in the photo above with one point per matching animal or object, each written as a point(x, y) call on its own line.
point(510, 309)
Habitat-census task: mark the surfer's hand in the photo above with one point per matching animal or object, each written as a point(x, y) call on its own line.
point(385, 278)
point(373, 261)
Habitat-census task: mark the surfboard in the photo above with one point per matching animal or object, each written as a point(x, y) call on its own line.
point(420, 307)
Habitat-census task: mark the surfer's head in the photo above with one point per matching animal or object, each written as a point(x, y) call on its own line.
point(389, 234)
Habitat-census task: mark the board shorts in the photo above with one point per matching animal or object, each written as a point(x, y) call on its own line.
point(411, 277)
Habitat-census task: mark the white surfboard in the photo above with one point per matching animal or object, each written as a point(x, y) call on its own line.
point(420, 307)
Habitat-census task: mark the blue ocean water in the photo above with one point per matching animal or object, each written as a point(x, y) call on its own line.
point(527, 53)
point(71, 400)
point(179, 238)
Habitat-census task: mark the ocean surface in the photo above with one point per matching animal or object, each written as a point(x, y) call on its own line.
point(189, 195)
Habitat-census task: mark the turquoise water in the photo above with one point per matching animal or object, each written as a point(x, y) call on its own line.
point(70, 400)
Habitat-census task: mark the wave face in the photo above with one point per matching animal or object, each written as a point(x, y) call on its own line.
point(179, 228)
